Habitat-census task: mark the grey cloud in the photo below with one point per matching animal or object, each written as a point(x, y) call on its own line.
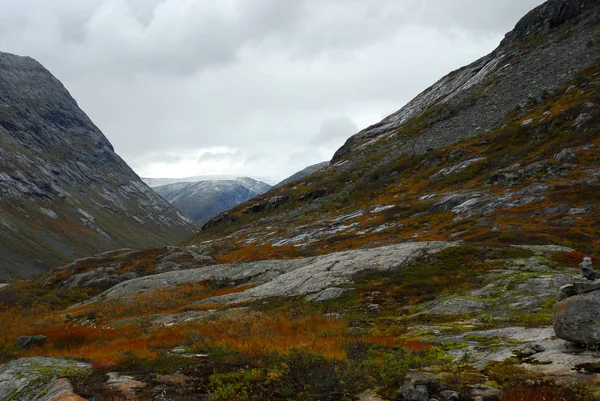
point(165, 78)
point(216, 156)
point(335, 130)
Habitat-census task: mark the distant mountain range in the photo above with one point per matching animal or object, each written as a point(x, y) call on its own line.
point(205, 196)
point(204, 199)
point(158, 182)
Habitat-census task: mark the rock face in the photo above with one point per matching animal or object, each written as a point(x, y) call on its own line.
point(303, 173)
point(577, 319)
point(316, 275)
point(64, 192)
point(548, 17)
point(202, 200)
point(39, 379)
point(100, 272)
point(476, 98)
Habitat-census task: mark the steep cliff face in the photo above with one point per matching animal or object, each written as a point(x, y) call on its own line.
point(64, 192)
point(202, 200)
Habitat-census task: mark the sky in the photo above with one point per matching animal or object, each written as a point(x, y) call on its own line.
point(259, 88)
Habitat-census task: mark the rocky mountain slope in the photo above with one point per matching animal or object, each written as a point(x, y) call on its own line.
point(303, 173)
point(503, 150)
point(64, 192)
point(202, 200)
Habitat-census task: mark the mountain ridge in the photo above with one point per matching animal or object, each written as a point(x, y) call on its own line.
point(204, 199)
point(64, 192)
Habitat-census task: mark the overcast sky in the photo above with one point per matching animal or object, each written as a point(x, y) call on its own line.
point(261, 88)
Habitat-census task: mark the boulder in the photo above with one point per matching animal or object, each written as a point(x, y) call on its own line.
point(30, 341)
point(413, 393)
point(450, 395)
point(484, 393)
point(531, 349)
point(39, 379)
point(577, 319)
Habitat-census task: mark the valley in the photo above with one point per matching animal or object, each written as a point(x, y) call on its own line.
point(424, 262)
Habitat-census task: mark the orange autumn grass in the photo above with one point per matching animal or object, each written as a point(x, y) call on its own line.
point(258, 334)
point(105, 344)
point(249, 333)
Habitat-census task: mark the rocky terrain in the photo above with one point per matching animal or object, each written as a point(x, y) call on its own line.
point(204, 199)
point(64, 192)
point(436, 258)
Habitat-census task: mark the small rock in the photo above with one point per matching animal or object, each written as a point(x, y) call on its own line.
point(327, 294)
point(276, 201)
point(449, 395)
point(30, 341)
point(413, 393)
point(570, 89)
point(420, 378)
point(369, 396)
point(126, 385)
point(485, 393)
point(581, 120)
point(532, 349)
point(527, 122)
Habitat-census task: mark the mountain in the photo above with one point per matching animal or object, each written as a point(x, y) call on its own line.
point(64, 192)
point(202, 200)
point(423, 263)
point(159, 182)
point(503, 150)
point(303, 173)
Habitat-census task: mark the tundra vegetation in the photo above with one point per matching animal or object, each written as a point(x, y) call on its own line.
point(516, 204)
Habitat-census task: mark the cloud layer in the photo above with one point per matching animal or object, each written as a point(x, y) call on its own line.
point(250, 87)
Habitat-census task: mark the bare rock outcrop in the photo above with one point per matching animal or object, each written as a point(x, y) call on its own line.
point(284, 277)
point(39, 379)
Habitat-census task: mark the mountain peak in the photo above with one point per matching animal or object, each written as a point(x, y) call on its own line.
point(548, 17)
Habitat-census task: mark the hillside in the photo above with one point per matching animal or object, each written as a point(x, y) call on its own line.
point(64, 192)
point(428, 261)
point(202, 200)
point(504, 150)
